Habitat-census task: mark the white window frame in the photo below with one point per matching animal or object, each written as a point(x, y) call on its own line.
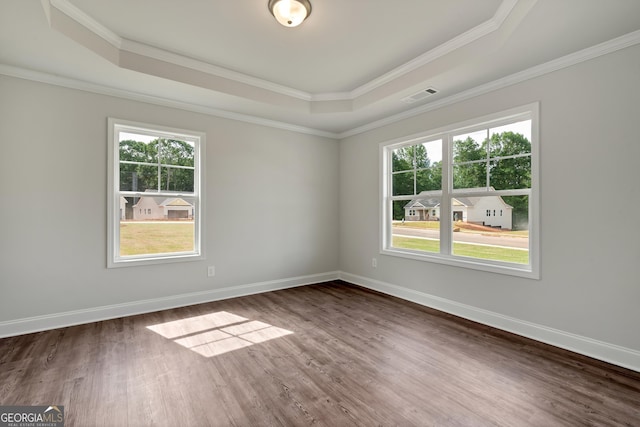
point(115, 126)
point(446, 256)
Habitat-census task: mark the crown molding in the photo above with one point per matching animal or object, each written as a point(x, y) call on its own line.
point(37, 76)
point(569, 60)
point(122, 44)
point(85, 20)
point(455, 43)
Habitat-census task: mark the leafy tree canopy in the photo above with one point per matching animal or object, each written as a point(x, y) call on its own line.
point(166, 153)
point(421, 173)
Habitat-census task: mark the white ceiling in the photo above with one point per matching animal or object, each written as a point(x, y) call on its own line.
point(346, 68)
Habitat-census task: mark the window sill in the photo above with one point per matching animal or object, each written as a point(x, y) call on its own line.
point(149, 260)
point(519, 270)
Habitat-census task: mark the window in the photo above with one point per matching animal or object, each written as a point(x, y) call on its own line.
point(155, 194)
point(479, 180)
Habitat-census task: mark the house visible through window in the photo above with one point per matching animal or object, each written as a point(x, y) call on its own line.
point(155, 194)
point(442, 192)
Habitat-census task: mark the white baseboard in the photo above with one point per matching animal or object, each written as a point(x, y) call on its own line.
point(611, 353)
point(77, 317)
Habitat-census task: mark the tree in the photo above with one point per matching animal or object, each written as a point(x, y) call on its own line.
point(512, 173)
point(137, 177)
point(429, 179)
point(176, 153)
point(504, 174)
point(402, 162)
point(469, 175)
point(142, 177)
point(414, 173)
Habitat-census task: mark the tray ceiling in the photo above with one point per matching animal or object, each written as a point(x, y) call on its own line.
point(350, 64)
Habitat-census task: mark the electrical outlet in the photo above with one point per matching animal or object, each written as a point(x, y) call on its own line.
point(374, 263)
point(211, 271)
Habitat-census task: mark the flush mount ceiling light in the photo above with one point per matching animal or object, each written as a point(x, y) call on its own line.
point(290, 13)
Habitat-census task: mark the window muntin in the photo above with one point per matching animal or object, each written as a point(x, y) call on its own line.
point(155, 194)
point(485, 207)
point(498, 157)
point(498, 237)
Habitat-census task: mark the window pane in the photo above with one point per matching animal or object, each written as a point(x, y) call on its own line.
point(416, 224)
point(176, 152)
point(138, 177)
point(176, 179)
point(403, 183)
point(510, 174)
point(142, 150)
point(470, 147)
point(156, 225)
point(138, 148)
point(492, 227)
point(470, 175)
point(428, 154)
point(513, 132)
point(429, 166)
point(402, 159)
point(398, 209)
point(429, 179)
point(520, 205)
point(128, 177)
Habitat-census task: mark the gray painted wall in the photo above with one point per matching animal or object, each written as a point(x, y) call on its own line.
point(590, 189)
point(271, 204)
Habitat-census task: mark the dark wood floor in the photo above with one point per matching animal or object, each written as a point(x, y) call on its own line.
point(331, 354)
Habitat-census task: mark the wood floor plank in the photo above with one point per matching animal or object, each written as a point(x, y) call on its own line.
point(330, 354)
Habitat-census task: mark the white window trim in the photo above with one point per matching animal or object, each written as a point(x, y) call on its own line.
point(531, 270)
point(114, 260)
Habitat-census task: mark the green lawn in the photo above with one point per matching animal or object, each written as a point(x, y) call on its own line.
point(426, 245)
point(137, 238)
point(496, 253)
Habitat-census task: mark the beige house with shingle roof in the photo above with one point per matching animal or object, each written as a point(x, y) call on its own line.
point(148, 208)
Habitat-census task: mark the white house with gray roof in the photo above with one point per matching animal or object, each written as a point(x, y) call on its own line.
point(491, 211)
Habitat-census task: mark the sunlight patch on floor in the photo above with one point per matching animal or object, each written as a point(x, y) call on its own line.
point(217, 333)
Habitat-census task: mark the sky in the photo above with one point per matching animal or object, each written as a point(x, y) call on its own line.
point(126, 136)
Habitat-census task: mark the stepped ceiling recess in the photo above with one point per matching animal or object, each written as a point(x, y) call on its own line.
point(351, 66)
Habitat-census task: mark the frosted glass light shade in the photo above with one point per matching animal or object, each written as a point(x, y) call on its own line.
point(290, 13)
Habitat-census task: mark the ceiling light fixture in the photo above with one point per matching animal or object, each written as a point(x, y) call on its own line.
point(290, 13)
